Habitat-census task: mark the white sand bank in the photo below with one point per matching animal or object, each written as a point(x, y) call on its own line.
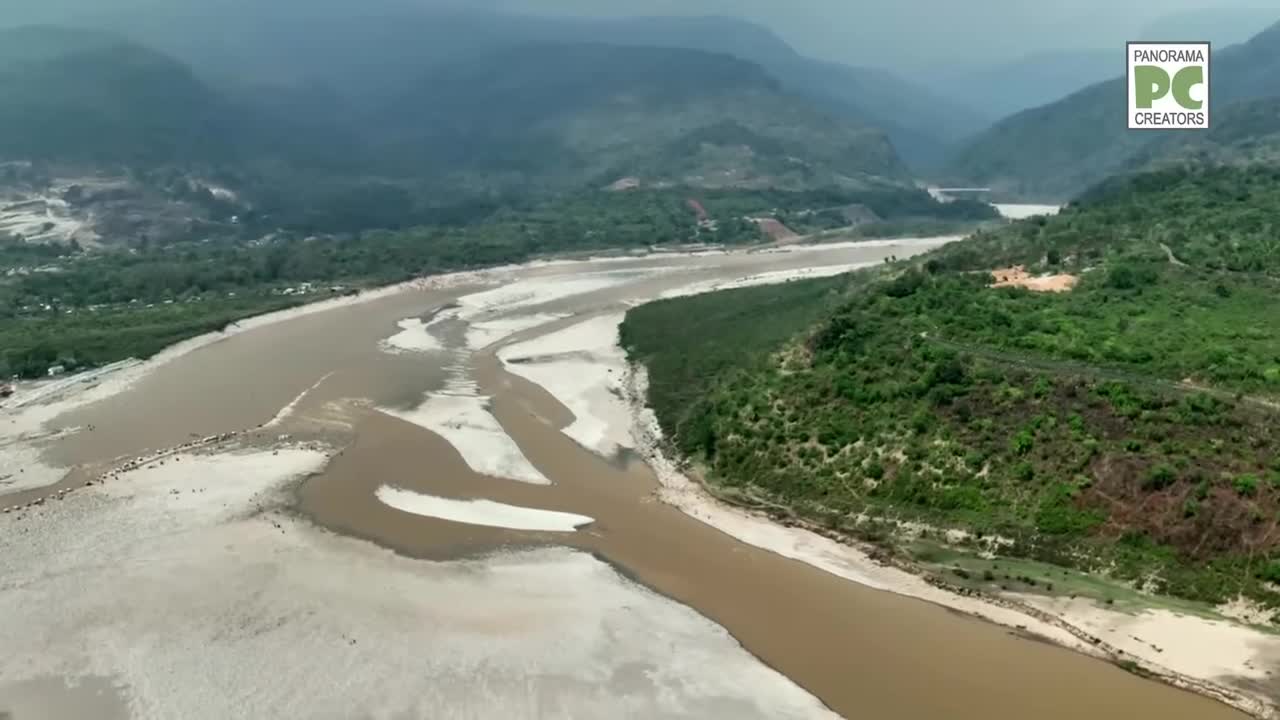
point(583, 367)
point(458, 413)
point(481, 512)
point(483, 334)
point(413, 337)
point(169, 583)
point(768, 278)
point(197, 489)
point(914, 244)
point(781, 276)
point(1196, 646)
point(530, 292)
point(21, 467)
point(465, 422)
point(638, 257)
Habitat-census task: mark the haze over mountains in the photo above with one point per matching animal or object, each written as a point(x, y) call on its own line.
point(525, 117)
point(897, 36)
point(85, 96)
point(1245, 132)
point(296, 110)
point(368, 57)
point(1077, 140)
point(367, 50)
point(1007, 86)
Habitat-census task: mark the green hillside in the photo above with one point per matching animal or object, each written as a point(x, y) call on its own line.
point(360, 54)
point(80, 96)
point(582, 114)
point(920, 122)
point(1246, 132)
point(504, 126)
point(1059, 149)
point(1127, 426)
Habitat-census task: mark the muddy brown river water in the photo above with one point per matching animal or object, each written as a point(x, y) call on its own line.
point(865, 653)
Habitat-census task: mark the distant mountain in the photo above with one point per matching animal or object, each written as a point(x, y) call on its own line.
point(1244, 133)
point(1003, 88)
point(1056, 150)
point(82, 96)
point(578, 113)
point(508, 125)
point(920, 122)
point(361, 54)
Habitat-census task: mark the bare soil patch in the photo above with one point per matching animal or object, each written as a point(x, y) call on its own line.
point(776, 230)
point(1018, 276)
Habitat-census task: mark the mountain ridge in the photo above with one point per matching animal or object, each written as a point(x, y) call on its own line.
point(1080, 139)
point(298, 48)
point(72, 95)
point(533, 119)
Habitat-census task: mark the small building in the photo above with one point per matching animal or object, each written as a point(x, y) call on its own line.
point(57, 370)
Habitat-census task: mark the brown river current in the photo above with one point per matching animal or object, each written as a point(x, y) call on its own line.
point(245, 586)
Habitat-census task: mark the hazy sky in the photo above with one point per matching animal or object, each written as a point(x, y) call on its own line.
point(895, 33)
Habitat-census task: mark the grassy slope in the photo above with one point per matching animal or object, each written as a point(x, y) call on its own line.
point(1058, 421)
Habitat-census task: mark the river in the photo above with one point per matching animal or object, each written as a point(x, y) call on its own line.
point(278, 573)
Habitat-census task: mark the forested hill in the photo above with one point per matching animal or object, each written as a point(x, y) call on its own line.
point(81, 96)
point(596, 113)
point(510, 125)
point(290, 44)
point(921, 123)
point(1059, 149)
point(1212, 219)
point(1128, 424)
point(1244, 133)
